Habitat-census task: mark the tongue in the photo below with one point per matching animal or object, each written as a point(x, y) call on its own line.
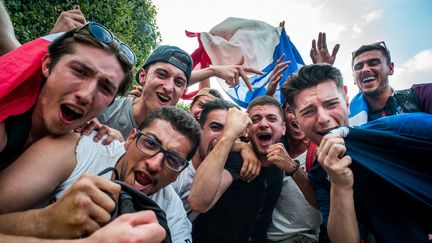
point(69, 114)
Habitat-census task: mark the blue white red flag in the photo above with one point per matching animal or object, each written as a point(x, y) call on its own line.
point(253, 44)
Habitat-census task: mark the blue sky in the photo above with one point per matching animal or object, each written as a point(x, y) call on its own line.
point(405, 26)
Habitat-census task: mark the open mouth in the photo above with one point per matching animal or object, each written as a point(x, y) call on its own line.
point(325, 131)
point(264, 138)
point(70, 113)
point(368, 80)
point(141, 180)
point(163, 97)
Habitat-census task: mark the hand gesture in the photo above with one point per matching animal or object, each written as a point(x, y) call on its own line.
point(251, 164)
point(321, 54)
point(236, 123)
point(69, 20)
point(232, 73)
point(84, 208)
point(136, 91)
point(331, 156)
point(276, 75)
point(278, 155)
point(95, 125)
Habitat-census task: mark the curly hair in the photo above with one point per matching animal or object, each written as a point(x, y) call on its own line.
point(181, 121)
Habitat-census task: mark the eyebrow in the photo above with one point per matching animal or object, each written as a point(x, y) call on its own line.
point(330, 100)
point(92, 71)
point(154, 137)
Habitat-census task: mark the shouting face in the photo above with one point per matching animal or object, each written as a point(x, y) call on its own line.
point(78, 88)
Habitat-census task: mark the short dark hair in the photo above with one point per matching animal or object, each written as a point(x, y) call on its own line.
point(217, 104)
point(181, 122)
point(65, 44)
point(265, 100)
point(309, 76)
point(380, 46)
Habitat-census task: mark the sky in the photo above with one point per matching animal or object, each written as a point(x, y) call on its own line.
point(404, 25)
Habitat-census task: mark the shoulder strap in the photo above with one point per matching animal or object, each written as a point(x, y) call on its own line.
point(407, 100)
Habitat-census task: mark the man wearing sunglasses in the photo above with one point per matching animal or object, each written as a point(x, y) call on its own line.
point(77, 79)
point(149, 160)
point(372, 66)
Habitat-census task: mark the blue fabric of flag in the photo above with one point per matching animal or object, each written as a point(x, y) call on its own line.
point(242, 96)
point(392, 165)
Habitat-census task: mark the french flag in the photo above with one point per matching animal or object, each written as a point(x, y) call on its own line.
point(21, 76)
point(250, 43)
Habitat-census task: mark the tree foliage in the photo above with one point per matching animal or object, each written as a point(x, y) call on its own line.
point(127, 19)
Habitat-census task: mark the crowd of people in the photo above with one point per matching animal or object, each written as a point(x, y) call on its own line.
point(273, 173)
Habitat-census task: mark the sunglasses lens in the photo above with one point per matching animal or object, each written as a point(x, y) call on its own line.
point(100, 33)
point(125, 50)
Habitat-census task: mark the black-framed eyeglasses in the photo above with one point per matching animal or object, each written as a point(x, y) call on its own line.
point(102, 34)
point(150, 147)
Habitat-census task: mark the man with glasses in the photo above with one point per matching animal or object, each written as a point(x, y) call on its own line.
point(372, 66)
point(149, 160)
point(58, 91)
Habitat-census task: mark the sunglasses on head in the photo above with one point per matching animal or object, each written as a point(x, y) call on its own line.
point(379, 43)
point(102, 34)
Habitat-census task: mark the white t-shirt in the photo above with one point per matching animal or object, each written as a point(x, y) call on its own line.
point(182, 186)
point(293, 215)
point(95, 157)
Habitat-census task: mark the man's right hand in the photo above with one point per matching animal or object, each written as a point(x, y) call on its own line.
point(331, 156)
point(84, 208)
point(236, 123)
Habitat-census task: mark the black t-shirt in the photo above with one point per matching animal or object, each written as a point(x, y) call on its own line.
point(244, 211)
point(17, 129)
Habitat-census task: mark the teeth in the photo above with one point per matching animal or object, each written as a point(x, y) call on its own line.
point(75, 109)
point(164, 97)
point(368, 79)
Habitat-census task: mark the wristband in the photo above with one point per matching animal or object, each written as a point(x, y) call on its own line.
point(295, 170)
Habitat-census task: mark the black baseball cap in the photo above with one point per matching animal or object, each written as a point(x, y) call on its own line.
point(172, 55)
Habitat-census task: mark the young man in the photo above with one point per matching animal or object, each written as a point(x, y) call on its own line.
point(372, 66)
point(81, 75)
point(296, 216)
point(231, 210)
point(203, 96)
point(164, 77)
point(320, 104)
point(149, 160)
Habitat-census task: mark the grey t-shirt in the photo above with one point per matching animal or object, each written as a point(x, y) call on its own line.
point(119, 116)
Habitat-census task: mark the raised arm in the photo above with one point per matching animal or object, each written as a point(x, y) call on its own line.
point(211, 179)
point(276, 75)
point(319, 52)
point(230, 73)
point(342, 222)
point(69, 20)
point(8, 41)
